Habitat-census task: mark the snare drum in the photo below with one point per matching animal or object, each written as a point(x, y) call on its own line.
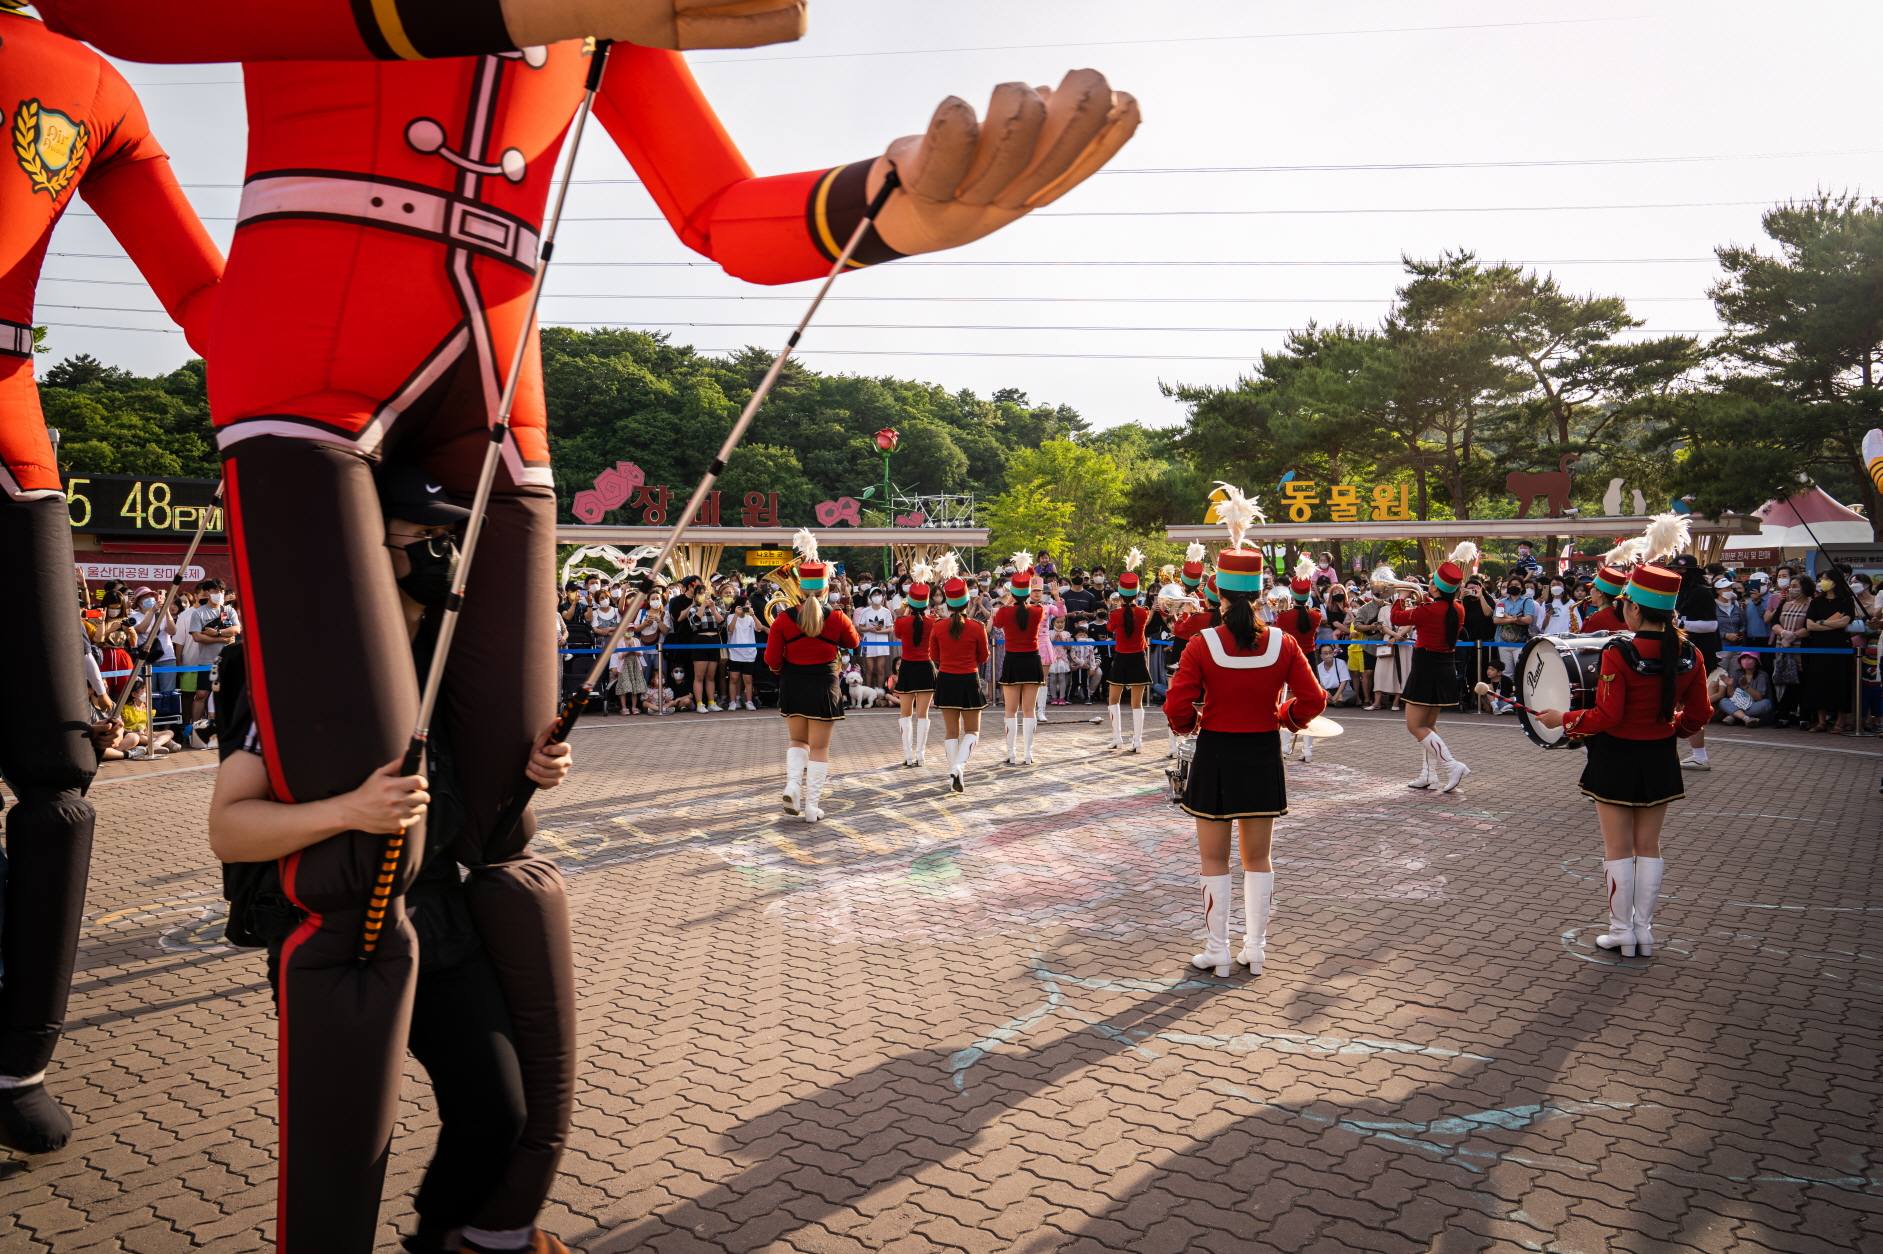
point(1177, 773)
point(1557, 673)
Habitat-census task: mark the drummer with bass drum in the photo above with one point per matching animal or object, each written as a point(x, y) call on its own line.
point(1652, 691)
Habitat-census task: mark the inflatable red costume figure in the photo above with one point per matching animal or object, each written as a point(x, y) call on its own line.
point(72, 125)
point(376, 288)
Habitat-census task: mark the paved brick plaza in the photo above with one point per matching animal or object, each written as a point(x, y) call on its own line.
point(966, 1024)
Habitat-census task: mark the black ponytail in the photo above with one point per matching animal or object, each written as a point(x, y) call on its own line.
point(1130, 623)
point(1673, 649)
point(915, 632)
point(1240, 618)
point(1302, 624)
point(1450, 601)
point(1022, 614)
point(956, 620)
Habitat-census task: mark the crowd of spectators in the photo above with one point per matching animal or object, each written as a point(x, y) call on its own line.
point(160, 714)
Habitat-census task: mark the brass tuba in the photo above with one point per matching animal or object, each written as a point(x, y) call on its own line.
point(789, 592)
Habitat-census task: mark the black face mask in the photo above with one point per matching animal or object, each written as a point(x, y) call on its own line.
point(433, 562)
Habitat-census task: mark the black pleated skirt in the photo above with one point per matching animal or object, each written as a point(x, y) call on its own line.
point(1633, 772)
point(1022, 668)
point(807, 690)
point(1434, 679)
point(914, 676)
point(1128, 670)
point(1236, 775)
point(959, 692)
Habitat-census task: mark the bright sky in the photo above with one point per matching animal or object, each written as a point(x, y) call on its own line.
point(1290, 153)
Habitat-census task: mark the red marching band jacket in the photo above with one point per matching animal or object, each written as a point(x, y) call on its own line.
point(1608, 618)
point(1242, 692)
point(1289, 621)
point(1427, 619)
point(963, 656)
point(1628, 703)
point(1133, 641)
point(1018, 641)
point(905, 632)
point(788, 643)
point(1188, 627)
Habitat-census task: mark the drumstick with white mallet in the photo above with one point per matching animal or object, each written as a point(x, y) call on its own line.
point(1485, 690)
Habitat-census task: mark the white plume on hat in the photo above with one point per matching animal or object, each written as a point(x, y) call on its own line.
point(1195, 553)
point(1134, 559)
point(1235, 511)
point(805, 543)
point(1022, 560)
point(922, 572)
point(1304, 567)
point(1627, 553)
point(1465, 553)
point(1666, 536)
point(947, 566)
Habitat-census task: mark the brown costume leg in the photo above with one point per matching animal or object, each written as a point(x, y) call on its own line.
point(48, 763)
point(304, 516)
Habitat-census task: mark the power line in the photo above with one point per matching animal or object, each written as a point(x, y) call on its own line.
point(923, 326)
point(913, 264)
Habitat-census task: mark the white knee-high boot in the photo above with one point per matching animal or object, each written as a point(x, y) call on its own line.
point(1137, 728)
point(794, 777)
point(921, 743)
point(1258, 901)
point(1290, 743)
point(1027, 727)
point(908, 739)
point(815, 773)
point(958, 777)
point(1013, 732)
point(1306, 742)
point(950, 750)
point(1451, 772)
point(1619, 878)
point(1216, 924)
point(1170, 743)
point(1428, 767)
point(1648, 872)
point(1117, 727)
point(1039, 701)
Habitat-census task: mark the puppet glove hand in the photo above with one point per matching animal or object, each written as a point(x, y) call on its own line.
point(676, 24)
point(966, 178)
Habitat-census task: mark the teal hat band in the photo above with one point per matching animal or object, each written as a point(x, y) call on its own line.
point(1443, 586)
point(1653, 600)
point(811, 585)
point(955, 603)
point(1237, 581)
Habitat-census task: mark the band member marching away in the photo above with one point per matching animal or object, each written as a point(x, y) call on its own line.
point(1433, 684)
point(1129, 671)
point(1021, 673)
point(961, 650)
point(1611, 582)
point(1301, 623)
point(1239, 671)
point(802, 651)
point(1203, 589)
point(1652, 691)
point(915, 674)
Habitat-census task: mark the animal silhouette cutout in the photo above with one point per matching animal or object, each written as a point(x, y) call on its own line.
point(1554, 484)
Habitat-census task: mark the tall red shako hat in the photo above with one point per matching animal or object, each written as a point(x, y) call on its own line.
point(1303, 582)
point(1450, 575)
point(1656, 586)
point(1129, 584)
point(1020, 583)
point(1193, 565)
point(954, 590)
point(1237, 569)
point(919, 591)
point(811, 572)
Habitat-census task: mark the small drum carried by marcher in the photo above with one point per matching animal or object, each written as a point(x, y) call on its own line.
point(1177, 772)
point(1558, 673)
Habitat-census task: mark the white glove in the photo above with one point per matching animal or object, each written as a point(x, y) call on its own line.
point(679, 24)
point(965, 179)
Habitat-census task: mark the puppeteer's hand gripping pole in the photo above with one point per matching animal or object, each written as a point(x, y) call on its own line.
point(148, 653)
point(513, 812)
point(392, 852)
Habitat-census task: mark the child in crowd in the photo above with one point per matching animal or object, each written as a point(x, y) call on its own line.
point(1502, 697)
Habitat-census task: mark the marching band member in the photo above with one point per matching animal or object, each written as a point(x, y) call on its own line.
point(915, 674)
point(961, 649)
point(1238, 671)
point(1610, 583)
point(802, 651)
point(1189, 625)
point(1642, 706)
point(1433, 683)
point(1129, 672)
point(1020, 672)
point(1301, 623)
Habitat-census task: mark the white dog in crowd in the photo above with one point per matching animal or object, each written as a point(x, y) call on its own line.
point(862, 695)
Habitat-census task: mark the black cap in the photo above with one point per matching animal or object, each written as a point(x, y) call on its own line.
point(410, 495)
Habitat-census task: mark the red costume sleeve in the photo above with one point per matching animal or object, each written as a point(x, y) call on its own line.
point(775, 642)
point(135, 192)
point(1696, 709)
point(1307, 697)
point(1185, 690)
point(198, 31)
point(1611, 699)
point(779, 229)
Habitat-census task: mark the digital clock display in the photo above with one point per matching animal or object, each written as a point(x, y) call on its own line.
point(142, 505)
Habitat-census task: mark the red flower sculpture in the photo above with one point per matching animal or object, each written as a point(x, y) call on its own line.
point(887, 439)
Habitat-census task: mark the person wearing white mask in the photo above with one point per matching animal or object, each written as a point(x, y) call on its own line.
point(146, 603)
point(878, 625)
point(204, 630)
point(1557, 615)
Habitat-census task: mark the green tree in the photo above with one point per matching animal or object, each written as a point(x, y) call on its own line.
point(1027, 517)
point(113, 422)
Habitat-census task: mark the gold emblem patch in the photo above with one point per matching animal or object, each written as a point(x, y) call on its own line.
point(49, 145)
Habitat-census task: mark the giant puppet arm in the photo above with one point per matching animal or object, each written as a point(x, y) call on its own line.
point(139, 199)
point(964, 178)
point(195, 31)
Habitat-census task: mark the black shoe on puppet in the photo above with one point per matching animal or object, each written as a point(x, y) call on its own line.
point(32, 1121)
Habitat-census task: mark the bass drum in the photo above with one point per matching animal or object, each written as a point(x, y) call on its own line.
point(1557, 673)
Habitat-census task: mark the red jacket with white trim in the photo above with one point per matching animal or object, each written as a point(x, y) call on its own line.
point(1242, 692)
point(1628, 703)
point(788, 643)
